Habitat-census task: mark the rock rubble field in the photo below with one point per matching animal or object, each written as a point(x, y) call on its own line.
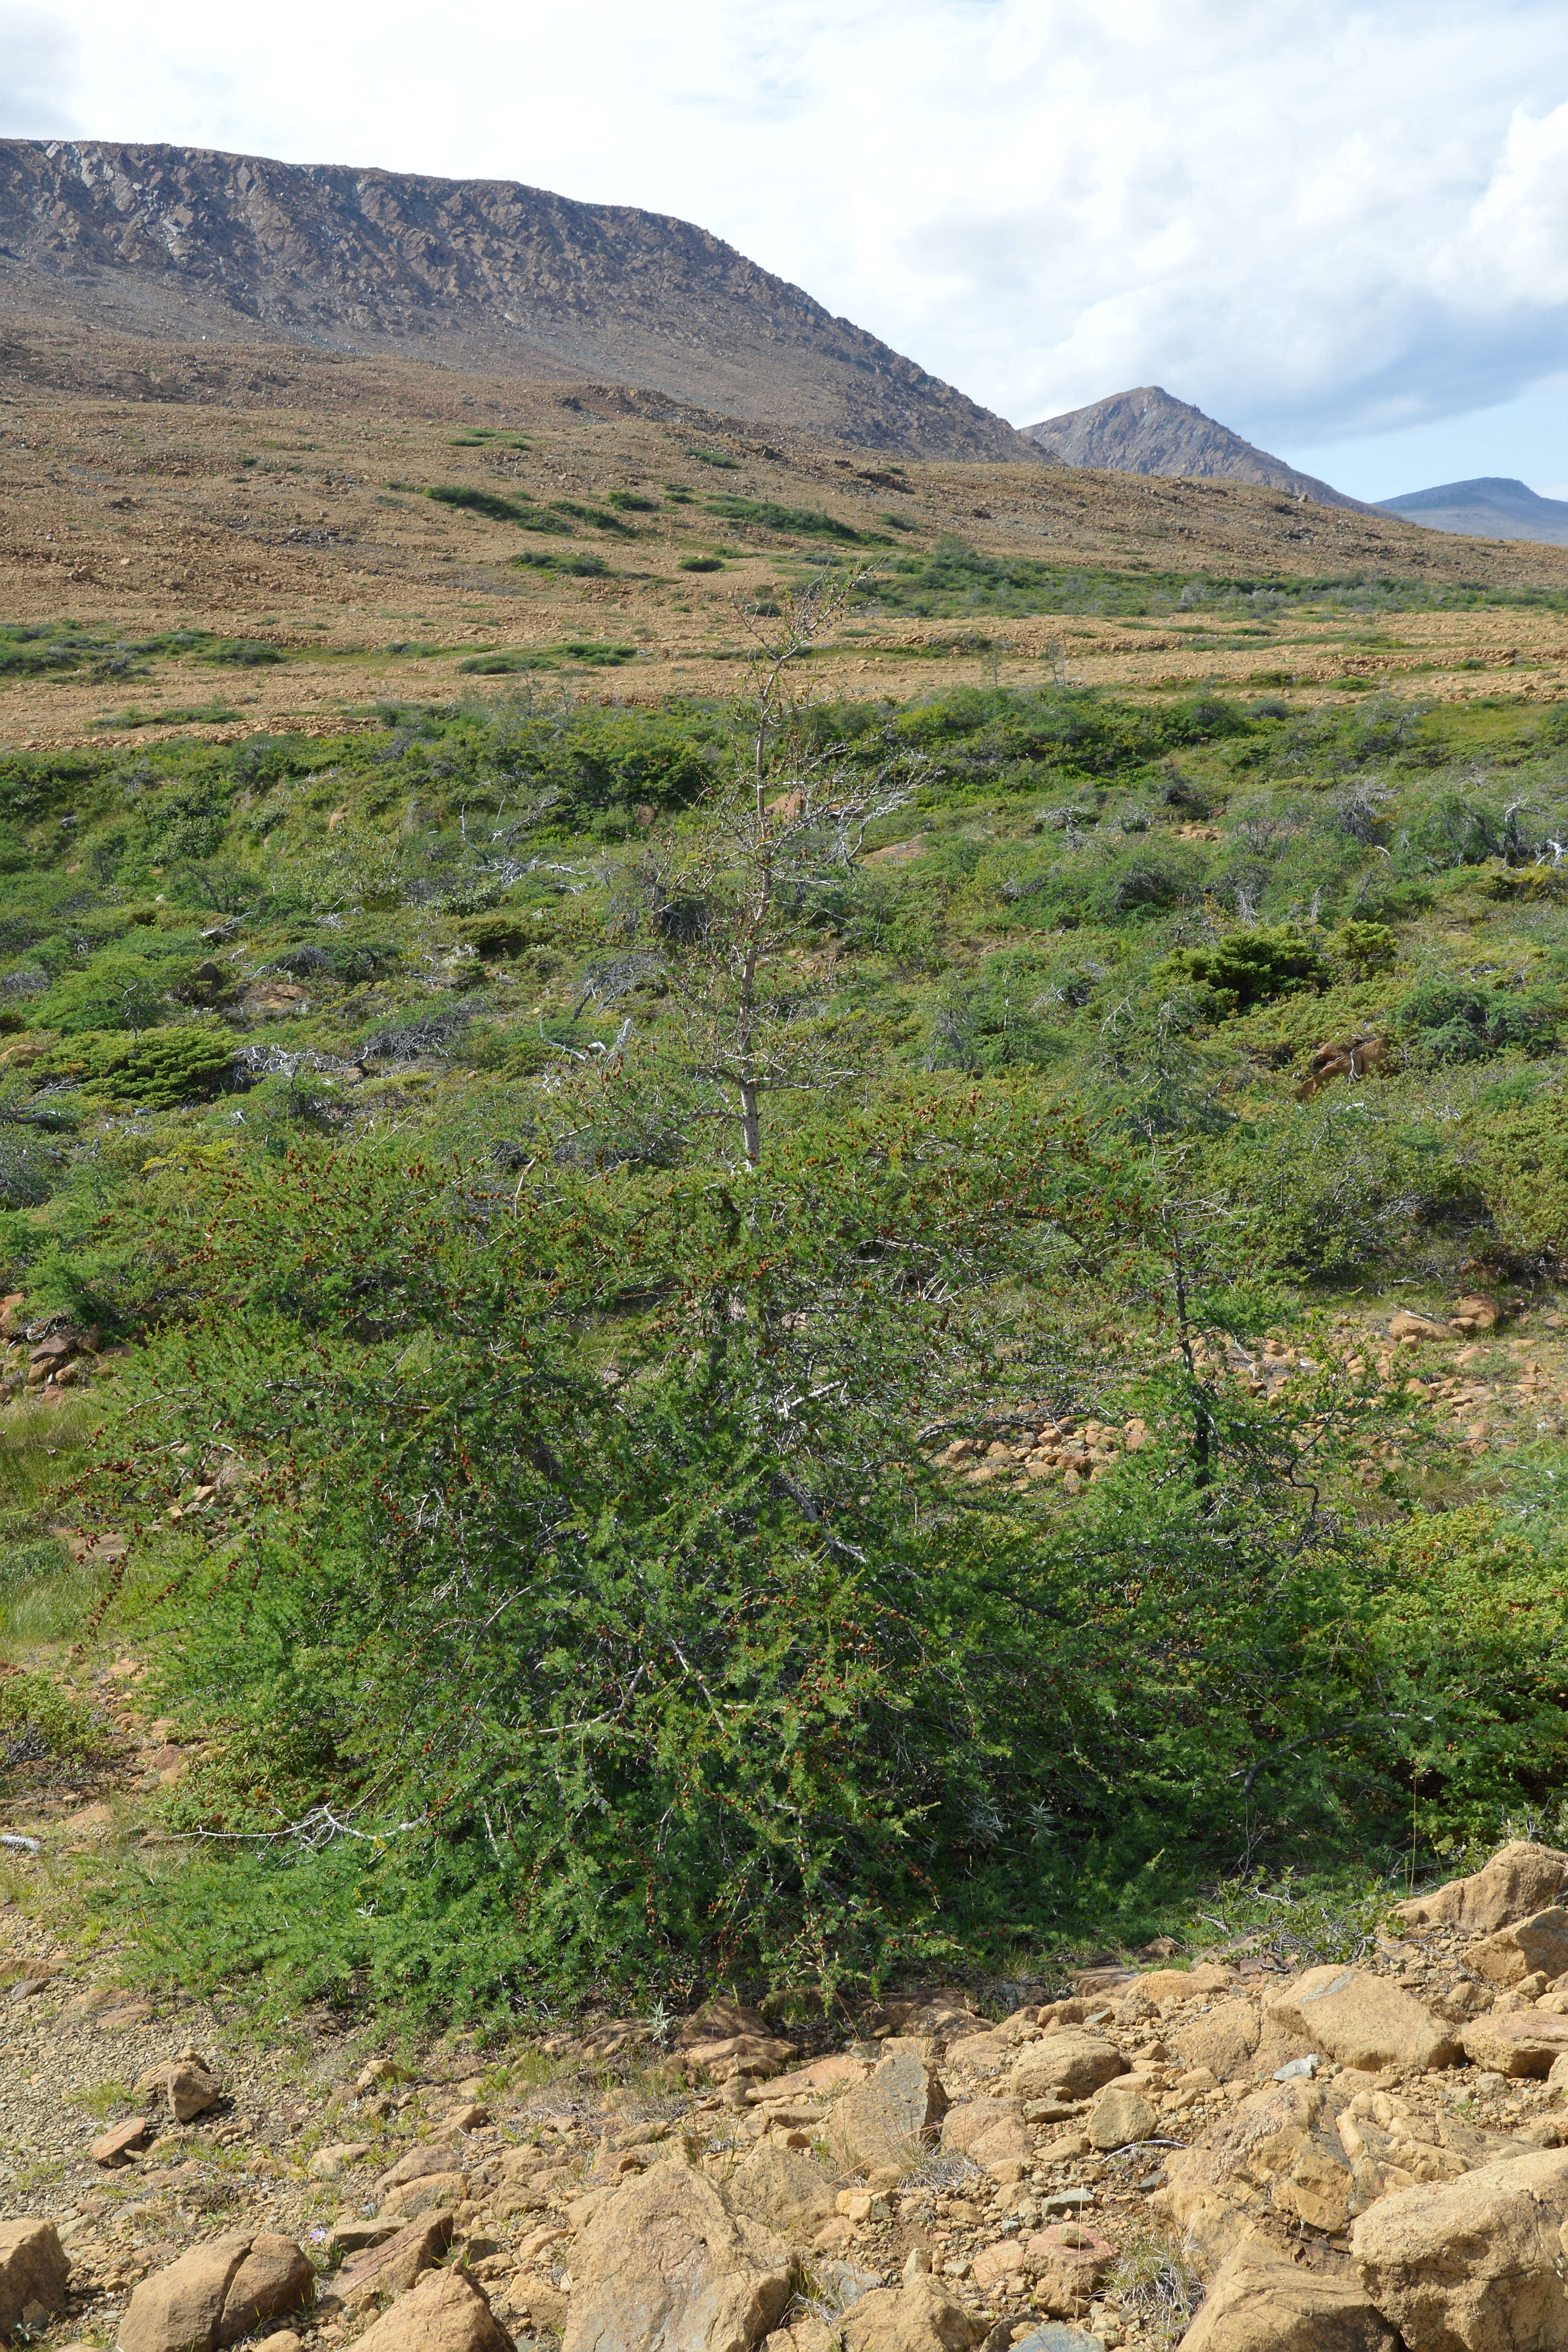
point(1362, 2158)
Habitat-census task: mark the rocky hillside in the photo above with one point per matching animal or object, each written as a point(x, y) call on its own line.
point(1149, 432)
point(1264, 2149)
point(183, 244)
point(1492, 507)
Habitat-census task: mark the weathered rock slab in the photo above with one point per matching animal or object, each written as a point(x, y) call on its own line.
point(1259, 2302)
point(430, 2156)
point(1521, 1877)
point(1056, 2335)
point(391, 2265)
point(1003, 2260)
point(217, 2293)
point(1067, 2262)
point(1363, 2020)
point(114, 2147)
point(783, 2189)
point(33, 2269)
point(187, 2084)
point(1522, 2042)
point(992, 2131)
point(1277, 2154)
point(1167, 1988)
point(1225, 2040)
point(430, 2193)
point(887, 2118)
point(918, 2316)
point(275, 2277)
point(1120, 2117)
point(1477, 2266)
point(667, 2265)
point(1538, 1942)
point(445, 2312)
point(1067, 2065)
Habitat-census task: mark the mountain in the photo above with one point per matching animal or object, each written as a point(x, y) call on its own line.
point(1492, 507)
point(186, 245)
point(1150, 432)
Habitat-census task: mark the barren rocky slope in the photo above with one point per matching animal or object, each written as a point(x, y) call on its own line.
point(1242, 2155)
point(271, 491)
point(1149, 432)
point(183, 244)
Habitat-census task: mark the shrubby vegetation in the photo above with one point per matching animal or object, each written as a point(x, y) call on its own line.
point(567, 1192)
point(41, 1724)
point(954, 578)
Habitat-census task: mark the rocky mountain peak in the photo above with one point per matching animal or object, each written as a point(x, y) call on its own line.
point(1149, 430)
point(186, 244)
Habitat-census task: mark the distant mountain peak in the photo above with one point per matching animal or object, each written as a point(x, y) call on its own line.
point(1149, 430)
point(186, 244)
point(1492, 506)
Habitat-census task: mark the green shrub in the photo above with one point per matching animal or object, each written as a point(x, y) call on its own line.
point(280, 1110)
point(42, 1596)
point(484, 502)
point(698, 1667)
point(349, 959)
point(1247, 968)
point(700, 563)
point(1456, 828)
point(30, 1167)
point(1390, 894)
point(630, 503)
point(502, 665)
point(499, 935)
point(1364, 948)
point(1465, 1645)
point(1521, 1162)
point(588, 650)
point(763, 1694)
point(597, 653)
point(1340, 1183)
point(617, 760)
point(809, 522)
point(40, 1723)
point(587, 566)
point(987, 737)
point(600, 516)
point(799, 1747)
point(157, 1071)
point(1456, 1020)
point(246, 653)
point(113, 992)
point(46, 648)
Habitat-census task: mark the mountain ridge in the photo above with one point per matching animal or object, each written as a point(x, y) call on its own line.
point(1149, 430)
point(183, 245)
point(1489, 506)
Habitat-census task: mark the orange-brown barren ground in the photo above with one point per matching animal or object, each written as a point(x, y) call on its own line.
point(281, 495)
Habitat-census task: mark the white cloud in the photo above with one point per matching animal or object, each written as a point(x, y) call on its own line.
point(1318, 218)
point(36, 68)
point(1513, 248)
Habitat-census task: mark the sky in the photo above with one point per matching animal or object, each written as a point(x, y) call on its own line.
point(1341, 229)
